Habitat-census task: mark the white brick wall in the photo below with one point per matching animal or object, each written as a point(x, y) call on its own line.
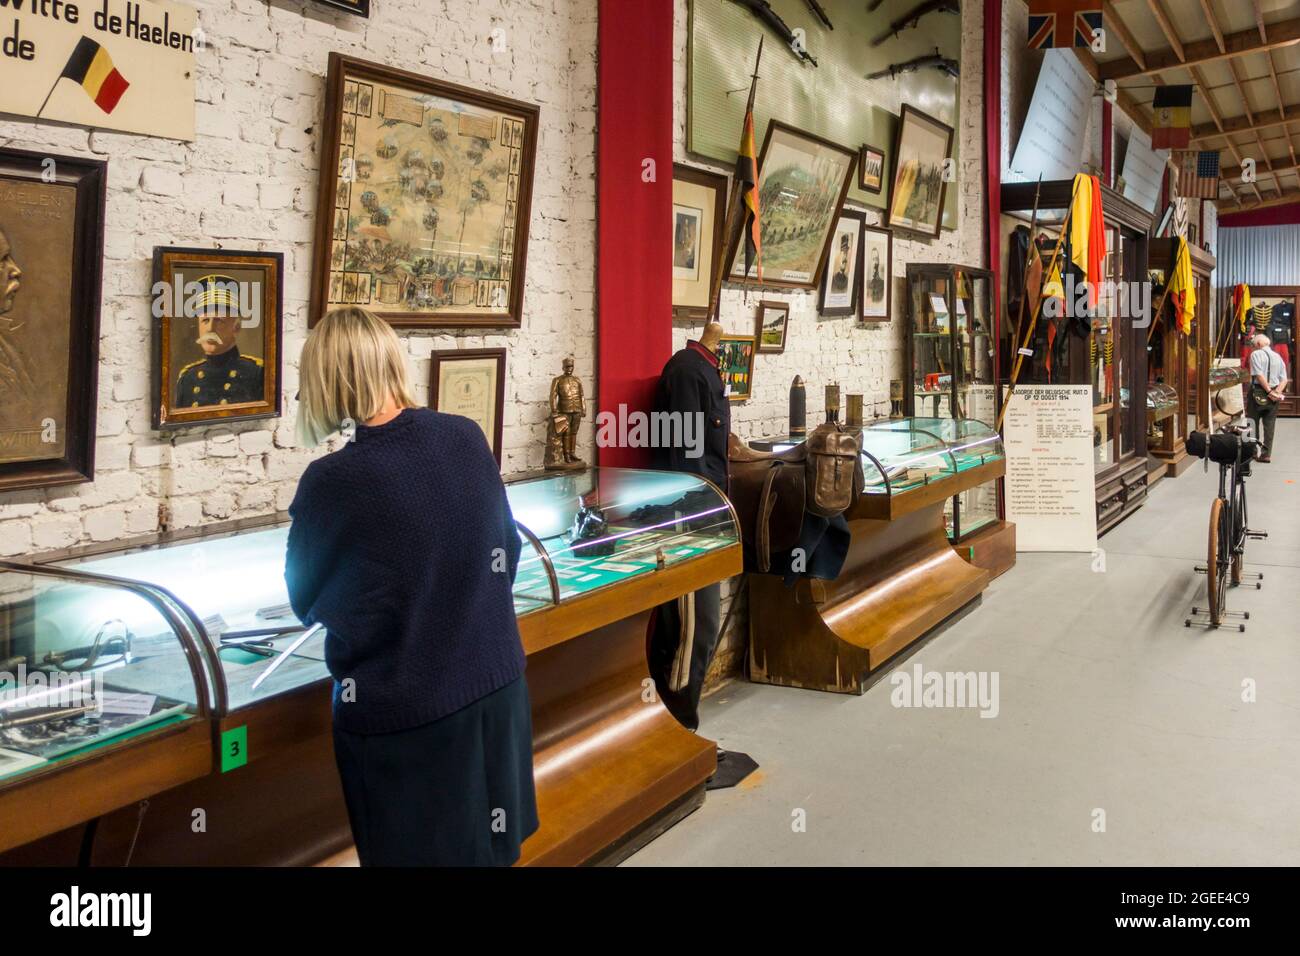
point(249, 181)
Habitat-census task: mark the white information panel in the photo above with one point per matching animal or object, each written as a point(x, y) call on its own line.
point(1050, 484)
point(1056, 127)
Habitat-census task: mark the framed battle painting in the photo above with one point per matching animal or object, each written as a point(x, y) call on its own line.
point(216, 335)
point(918, 187)
point(871, 169)
point(51, 259)
point(771, 324)
point(471, 382)
point(803, 180)
point(424, 201)
point(699, 211)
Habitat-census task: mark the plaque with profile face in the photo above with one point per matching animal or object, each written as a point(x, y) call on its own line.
point(51, 251)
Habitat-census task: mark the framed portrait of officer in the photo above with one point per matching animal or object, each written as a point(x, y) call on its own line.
point(51, 257)
point(217, 335)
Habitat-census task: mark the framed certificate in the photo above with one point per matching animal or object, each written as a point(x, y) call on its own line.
point(471, 382)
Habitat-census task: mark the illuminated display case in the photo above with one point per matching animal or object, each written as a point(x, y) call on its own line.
point(167, 638)
point(950, 351)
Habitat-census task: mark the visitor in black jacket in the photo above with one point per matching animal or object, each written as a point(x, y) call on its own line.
point(403, 546)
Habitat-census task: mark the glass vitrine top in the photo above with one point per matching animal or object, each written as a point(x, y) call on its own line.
point(913, 452)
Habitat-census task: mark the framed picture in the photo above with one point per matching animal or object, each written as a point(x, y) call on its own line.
point(216, 335)
point(471, 382)
point(699, 211)
point(359, 7)
point(877, 274)
point(424, 218)
point(839, 290)
point(51, 259)
point(736, 365)
point(871, 169)
point(917, 193)
point(803, 180)
point(773, 319)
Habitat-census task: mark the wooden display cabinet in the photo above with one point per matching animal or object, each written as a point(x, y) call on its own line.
point(1111, 356)
point(611, 768)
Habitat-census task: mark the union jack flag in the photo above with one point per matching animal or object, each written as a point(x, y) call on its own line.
point(1054, 23)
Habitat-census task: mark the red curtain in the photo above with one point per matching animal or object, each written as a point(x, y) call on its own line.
point(634, 176)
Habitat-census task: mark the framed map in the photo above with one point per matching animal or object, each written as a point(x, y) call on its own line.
point(424, 219)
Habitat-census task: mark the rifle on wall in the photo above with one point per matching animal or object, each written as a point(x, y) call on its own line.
point(939, 62)
point(817, 8)
point(913, 17)
point(772, 20)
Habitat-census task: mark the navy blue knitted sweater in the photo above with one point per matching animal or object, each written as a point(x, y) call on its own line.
point(403, 546)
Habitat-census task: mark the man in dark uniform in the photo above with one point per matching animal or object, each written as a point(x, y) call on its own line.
point(691, 387)
point(222, 376)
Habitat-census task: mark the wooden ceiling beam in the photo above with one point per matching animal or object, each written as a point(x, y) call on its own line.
point(1167, 28)
point(1125, 35)
point(1264, 119)
point(1259, 22)
point(1285, 199)
point(1213, 21)
point(1280, 34)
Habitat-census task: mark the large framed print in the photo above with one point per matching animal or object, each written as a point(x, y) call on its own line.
point(877, 274)
point(422, 213)
point(736, 355)
point(803, 180)
point(471, 382)
point(921, 152)
point(839, 289)
point(217, 335)
point(51, 257)
point(699, 210)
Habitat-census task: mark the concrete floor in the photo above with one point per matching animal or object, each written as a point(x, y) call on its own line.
point(1106, 703)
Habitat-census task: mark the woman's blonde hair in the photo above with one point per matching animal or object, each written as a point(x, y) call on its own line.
point(351, 365)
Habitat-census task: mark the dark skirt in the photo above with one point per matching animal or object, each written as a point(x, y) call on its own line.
point(454, 792)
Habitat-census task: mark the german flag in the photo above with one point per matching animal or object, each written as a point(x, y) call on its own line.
point(1173, 118)
point(92, 67)
point(747, 180)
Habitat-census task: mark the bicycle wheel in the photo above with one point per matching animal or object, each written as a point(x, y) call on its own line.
point(1217, 559)
point(1239, 526)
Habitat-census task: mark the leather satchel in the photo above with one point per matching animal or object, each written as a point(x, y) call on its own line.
point(773, 490)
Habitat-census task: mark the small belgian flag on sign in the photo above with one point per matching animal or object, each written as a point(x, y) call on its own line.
point(92, 67)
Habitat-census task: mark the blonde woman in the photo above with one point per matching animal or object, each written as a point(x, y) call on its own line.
point(403, 547)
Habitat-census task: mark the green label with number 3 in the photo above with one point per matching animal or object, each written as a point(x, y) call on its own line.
point(234, 749)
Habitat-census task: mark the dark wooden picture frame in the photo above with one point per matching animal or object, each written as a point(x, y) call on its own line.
point(775, 305)
point(340, 170)
point(863, 153)
point(360, 8)
point(167, 415)
point(888, 276)
point(89, 178)
point(443, 357)
point(720, 185)
point(733, 242)
point(912, 114)
point(855, 281)
point(726, 346)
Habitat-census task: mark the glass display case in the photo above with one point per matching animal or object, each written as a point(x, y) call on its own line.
point(183, 630)
point(1226, 376)
point(1162, 402)
point(951, 354)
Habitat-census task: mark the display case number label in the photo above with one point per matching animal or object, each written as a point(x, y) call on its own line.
point(234, 748)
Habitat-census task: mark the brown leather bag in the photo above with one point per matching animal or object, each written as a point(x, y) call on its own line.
point(772, 490)
point(834, 465)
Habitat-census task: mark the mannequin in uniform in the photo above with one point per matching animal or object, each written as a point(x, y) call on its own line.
point(685, 632)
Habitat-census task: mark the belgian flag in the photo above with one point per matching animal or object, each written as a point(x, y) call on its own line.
point(747, 181)
point(92, 67)
point(1173, 117)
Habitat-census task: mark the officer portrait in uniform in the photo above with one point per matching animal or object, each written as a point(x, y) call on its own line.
point(221, 342)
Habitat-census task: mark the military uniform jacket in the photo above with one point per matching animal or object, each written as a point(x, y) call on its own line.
point(690, 384)
point(225, 379)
